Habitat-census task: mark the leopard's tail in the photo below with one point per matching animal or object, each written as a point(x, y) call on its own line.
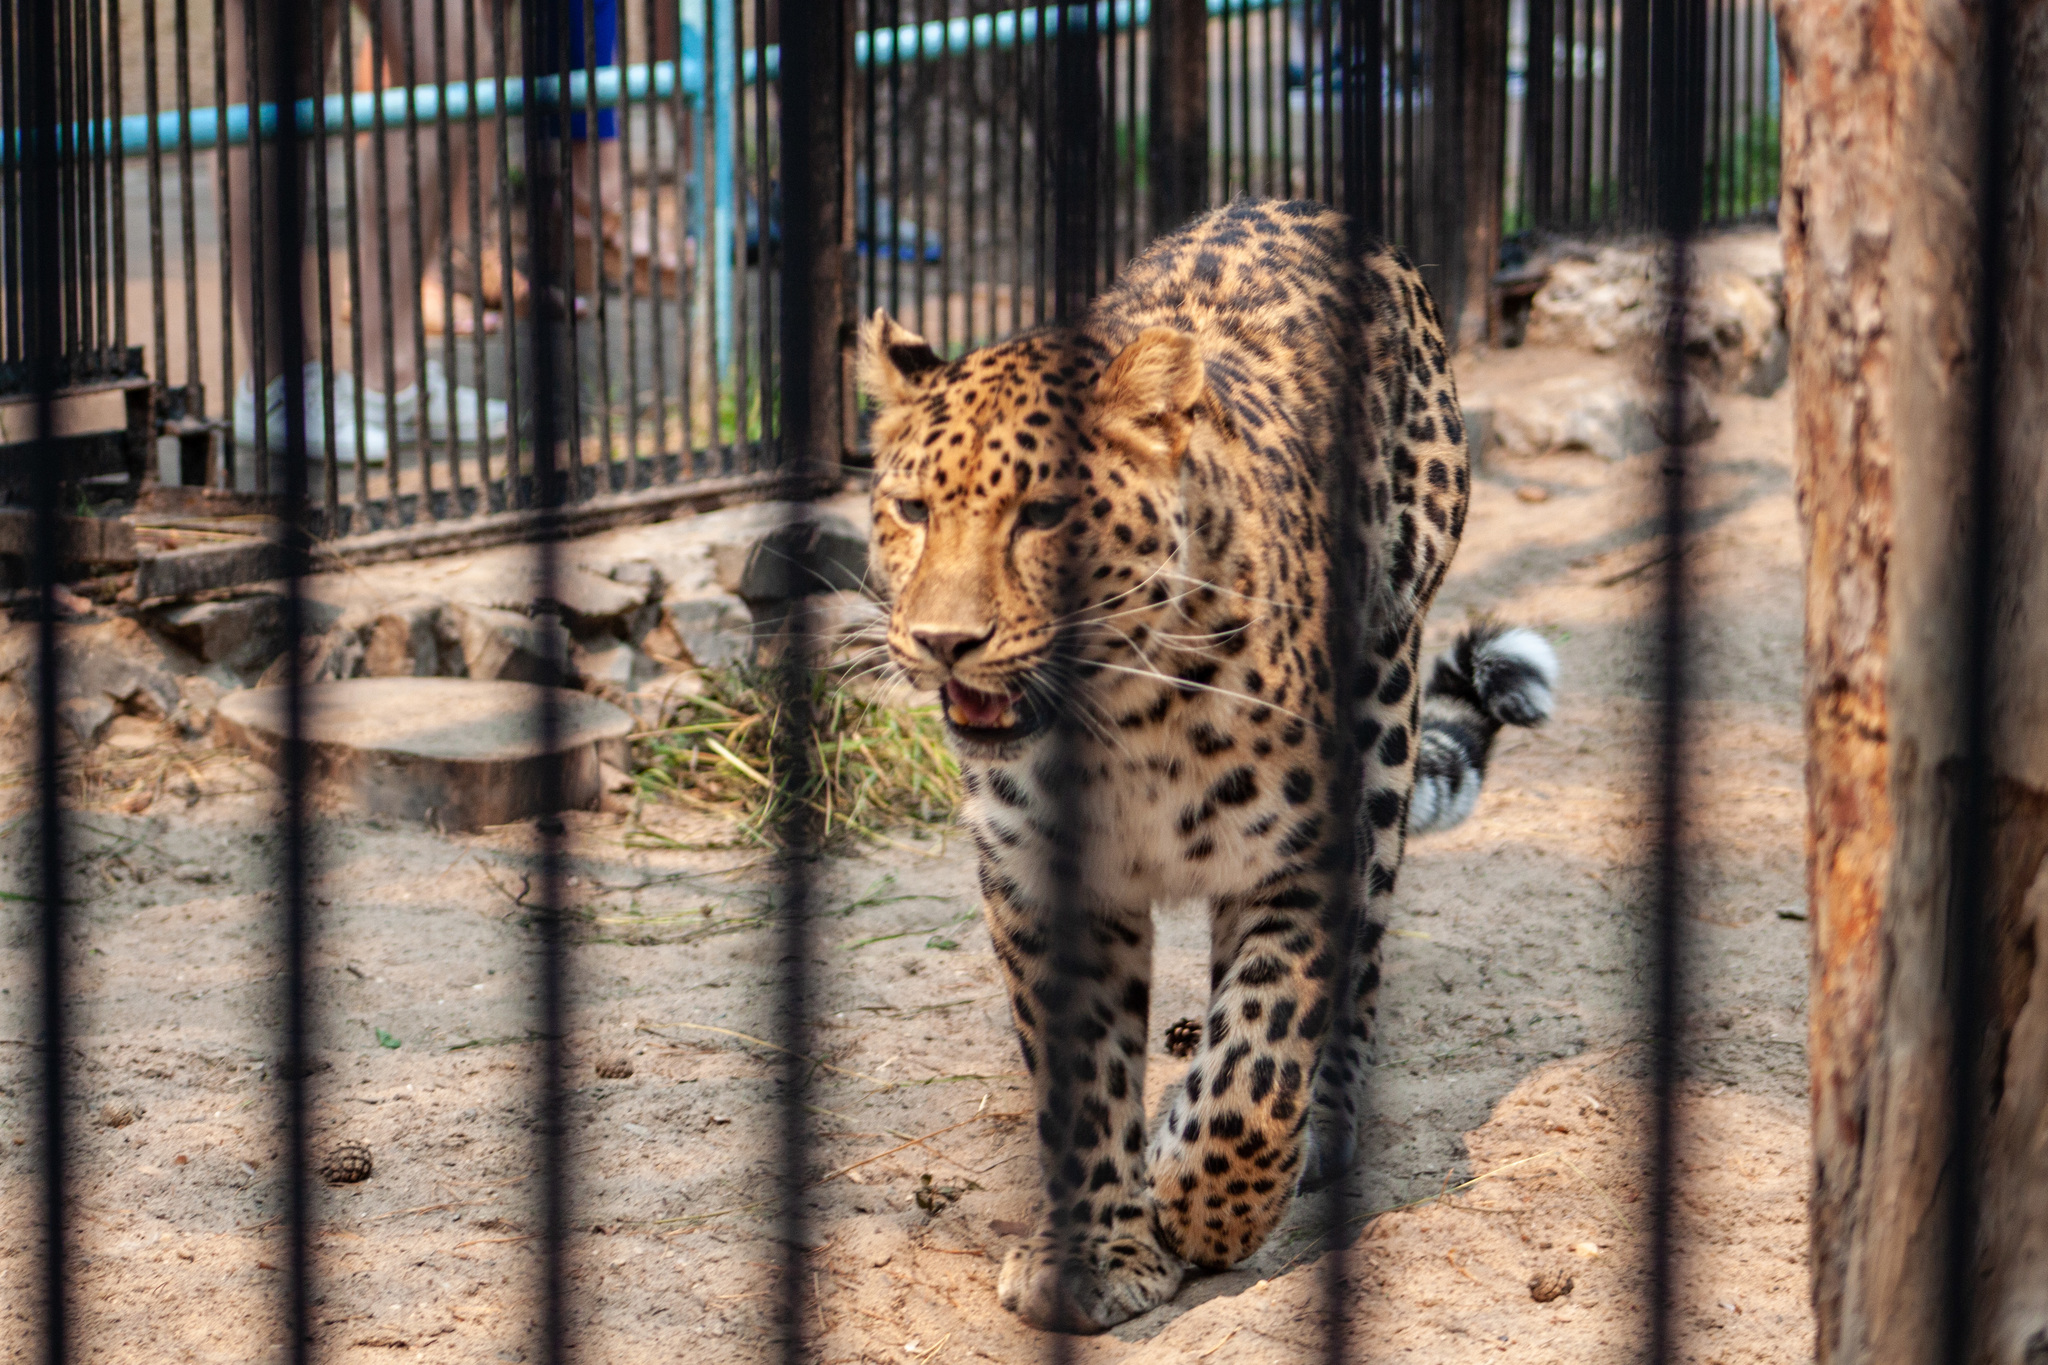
point(1494, 675)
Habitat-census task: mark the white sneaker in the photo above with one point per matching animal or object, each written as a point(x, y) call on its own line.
point(374, 446)
point(473, 415)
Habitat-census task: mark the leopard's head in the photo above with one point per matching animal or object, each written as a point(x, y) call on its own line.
point(1030, 524)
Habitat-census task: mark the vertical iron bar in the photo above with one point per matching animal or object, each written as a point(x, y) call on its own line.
point(544, 51)
point(635, 465)
point(224, 231)
point(1610, 155)
point(686, 301)
point(919, 188)
point(479, 358)
point(508, 297)
point(1969, 919)
point(12, 174)
point(41, 324)
point(604, 466)
point(764, 275)
point(351, 199)
point(946, 100)
point(1567, 111)
point(1677, 99)
point(408, 16)
point(572, 353)
point(107, 132)
point(814, 53)
point(1582, 99)
point(444, 190)
point(380, 150)
point(287, 225)
point(195, 403)
point(330, 483)
point(1345, 592)
point(160, 341)
point(678, 122)
point(1538, 105)
point(1048, 138)
point(261, 246)
point(742, 444)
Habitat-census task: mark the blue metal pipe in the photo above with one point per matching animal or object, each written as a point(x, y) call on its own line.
point(635, 84)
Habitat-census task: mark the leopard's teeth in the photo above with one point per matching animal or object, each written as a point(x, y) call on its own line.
point(1009, 718)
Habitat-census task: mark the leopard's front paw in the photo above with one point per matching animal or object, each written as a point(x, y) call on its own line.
point(1087, 1283)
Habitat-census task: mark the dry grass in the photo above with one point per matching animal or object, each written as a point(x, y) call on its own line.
point(874, 766)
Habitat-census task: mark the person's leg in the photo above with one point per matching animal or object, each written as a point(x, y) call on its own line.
point(403, 216)
point(254, 173)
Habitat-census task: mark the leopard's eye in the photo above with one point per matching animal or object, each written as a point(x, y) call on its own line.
point(916, 511)
point(1045, 514)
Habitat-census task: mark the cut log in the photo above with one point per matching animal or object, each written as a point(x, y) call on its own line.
point(458, 753)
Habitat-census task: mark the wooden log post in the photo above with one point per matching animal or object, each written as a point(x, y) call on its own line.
point(1883, 105)
point(1179, 98)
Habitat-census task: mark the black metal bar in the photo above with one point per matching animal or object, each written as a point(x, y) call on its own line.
point(260, 248)
point(225, 233)
point(634, 463)
point(286, 60)
point(1345, 592)
point(444, 190)
point(1677, 75)
point(715, 447)
point(565, 254)
point(600, 295)
point(764, 275)
point(159, 355)
point(351, 198)
point(195, 394)
point(684, 130)
point(12, 174)
point(41, 325)
point(508, 294)
point(479, 358)
point(330, 469)
point(816, 55)
point(544, 49)
point(423, 426)
point(1970, 918)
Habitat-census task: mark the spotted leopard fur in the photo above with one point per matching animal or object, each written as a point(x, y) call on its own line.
point(1122, 528)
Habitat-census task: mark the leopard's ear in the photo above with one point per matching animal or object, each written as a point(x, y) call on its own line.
point(895, 362)
point(1151, 390)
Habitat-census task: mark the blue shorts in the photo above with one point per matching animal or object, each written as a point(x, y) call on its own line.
point(604, 22)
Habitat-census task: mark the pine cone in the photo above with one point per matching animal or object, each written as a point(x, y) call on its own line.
point(1551, 1284)
point(346, 1163)
point(119, 1113)
point(615, 1068)
point(1184, 1037)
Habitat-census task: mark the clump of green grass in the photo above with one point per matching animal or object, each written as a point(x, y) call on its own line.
point(873, 767)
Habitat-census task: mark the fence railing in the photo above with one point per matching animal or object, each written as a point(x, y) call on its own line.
point(670, 218)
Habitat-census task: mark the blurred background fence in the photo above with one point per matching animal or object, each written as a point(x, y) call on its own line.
point(1498, 121)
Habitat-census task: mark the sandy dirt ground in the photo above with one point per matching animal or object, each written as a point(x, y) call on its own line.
point(1507, 1137)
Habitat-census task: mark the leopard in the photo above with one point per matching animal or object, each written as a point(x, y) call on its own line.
point(1150, 560)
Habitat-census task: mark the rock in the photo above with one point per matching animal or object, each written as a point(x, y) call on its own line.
point(199, 695)
point(503, 583)
point(497, 644)
point(715, 628)
point(1613, 420)
point(1548, 1285)
point(242, 632)
point(611, 662)
point(1612, 299)
point(405, 641)
point(457, 752)
point(799, 559)
point(654, 703)
point(132, 734)
point(110, 668)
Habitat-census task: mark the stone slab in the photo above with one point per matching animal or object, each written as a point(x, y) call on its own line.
point(458, 753)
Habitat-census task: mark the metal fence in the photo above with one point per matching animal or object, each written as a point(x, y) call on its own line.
point(1580, 86)
point(1041, 184)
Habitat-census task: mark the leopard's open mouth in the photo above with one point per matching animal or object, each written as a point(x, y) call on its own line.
point(990, 717)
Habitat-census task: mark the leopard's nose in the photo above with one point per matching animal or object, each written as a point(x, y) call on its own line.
point(950, 644)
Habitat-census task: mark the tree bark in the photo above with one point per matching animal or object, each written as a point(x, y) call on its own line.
point(1882, 107)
